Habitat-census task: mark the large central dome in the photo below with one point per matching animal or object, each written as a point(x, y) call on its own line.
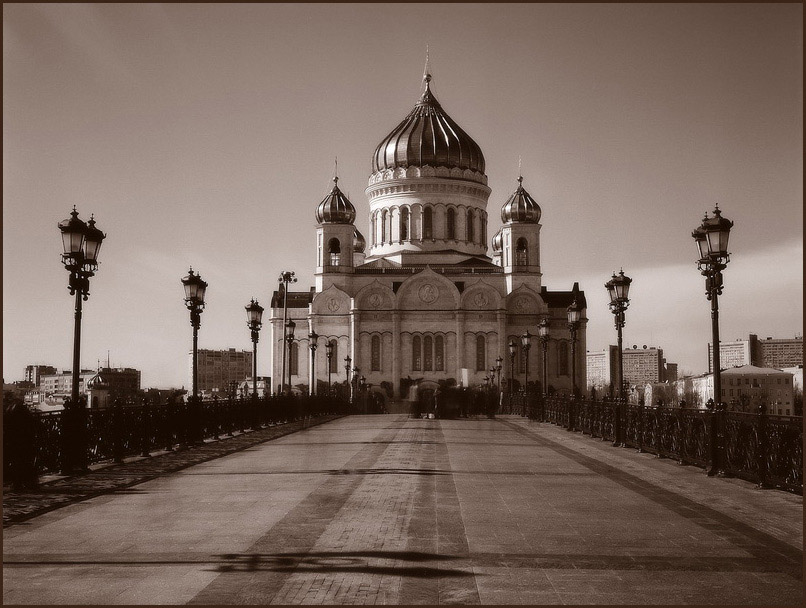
point(428, 136)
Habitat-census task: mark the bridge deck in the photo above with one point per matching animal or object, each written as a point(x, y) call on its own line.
point(384, 509)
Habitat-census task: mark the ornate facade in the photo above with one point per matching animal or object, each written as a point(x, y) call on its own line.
point(422, 299)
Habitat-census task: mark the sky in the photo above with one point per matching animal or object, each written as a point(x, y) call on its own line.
point(206, 134)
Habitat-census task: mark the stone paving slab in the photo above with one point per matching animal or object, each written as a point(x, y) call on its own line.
point(57, 491)
point(391, 510)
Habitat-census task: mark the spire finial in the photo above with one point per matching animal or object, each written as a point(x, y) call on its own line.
point(336, 171)
point(520, 169)
point(427, 69)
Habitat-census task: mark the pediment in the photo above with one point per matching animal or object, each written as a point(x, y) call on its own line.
point(428, 289)
point(331, 301)
point(375, 296)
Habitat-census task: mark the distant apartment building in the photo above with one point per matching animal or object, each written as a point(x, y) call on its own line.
point(670, 372)
point(34, 373)
point(110, 383)
point(602, 369)
point(744, 388)
point(643, 365)
point(770, 352)
point(221, 371)
point(53, 388)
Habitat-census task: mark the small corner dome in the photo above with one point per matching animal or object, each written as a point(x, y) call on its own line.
point(521, 207)
point(498, 241)
point(359, 242)
point(97, 382)
point(335, 208)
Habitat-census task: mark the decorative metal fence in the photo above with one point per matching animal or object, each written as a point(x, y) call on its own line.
point(757, 446)
point(143, 427)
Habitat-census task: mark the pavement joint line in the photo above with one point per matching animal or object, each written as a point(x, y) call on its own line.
point(761, 545)
point(113, 477)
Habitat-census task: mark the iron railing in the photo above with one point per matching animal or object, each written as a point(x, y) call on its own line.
point(143, 427)
point(758, 447)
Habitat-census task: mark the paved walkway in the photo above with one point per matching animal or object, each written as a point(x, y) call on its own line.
point(383, 509)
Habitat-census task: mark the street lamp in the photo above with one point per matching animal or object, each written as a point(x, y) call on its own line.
point(254, 318)
point(618, 287)
point(543, 335)
point(312, 338)
point(526, 344)
point(711, 238)
point(81, 243)
point(498, 361)
point(348, 361)
point(285, 278)
point(329, 352)
point(289, 339)
point(195, 289)
point(513, 348)
point(574, 314)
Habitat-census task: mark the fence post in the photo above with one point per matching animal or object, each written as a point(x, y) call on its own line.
point(640, 428)
point(713, 439)
point(116, 415)
point(761, 446)
point(617, 431)
point(571, 413)
point(145, 427)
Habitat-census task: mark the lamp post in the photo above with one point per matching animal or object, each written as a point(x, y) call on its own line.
point(285, 278)
point(81, 243)
point(711, 238)
point(195, 289)
point(312, 338)
point(543, 335)
point(254, 320)
point(354, 384)
point(526, 344)
point(513, 347)
point(348, 361)
point(329, 353)
point(289, 338)
point(498, 361)
point(618, 287)
point(574, 315)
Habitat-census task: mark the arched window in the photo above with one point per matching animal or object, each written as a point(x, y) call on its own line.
point(334, 358)
point(372, 233)
point(293, 359)
point(334, 249)
point(481, 354)
point(386, 228)
point(404, 224)
point(522, 252)
point(375, 365)
point(451, 223)
point(428, 223)
point(416, 354)
point(428, 354)
point(562, 359)
point(439, 354)
point(470, 233)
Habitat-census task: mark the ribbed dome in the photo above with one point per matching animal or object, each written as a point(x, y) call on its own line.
point(498, 241)
point(335, 208)
point(97, 382)
point(428, 136)
point(520, 207)
point(359, 242)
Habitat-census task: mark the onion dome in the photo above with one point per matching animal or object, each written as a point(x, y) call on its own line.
point(498, 241)
point(97, 382)
point(335, 208)
point(359, 243)
point(428, 136)
point(520, 207)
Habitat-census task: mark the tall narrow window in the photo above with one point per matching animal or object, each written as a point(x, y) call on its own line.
point(428, 361)
point(416, 354)
point(483, 220)
point(376, 354)
point(386, 229)
point(470, 233)
point(439, 354)
point(562, 359)
point(334, 249)
point(404, 224)
point(372, 232)
point(334, 358)
point(451, 223)
point(521, 252)
point(481, 354)
point(428, 223)
point(293, 359)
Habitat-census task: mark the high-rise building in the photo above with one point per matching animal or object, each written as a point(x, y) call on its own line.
point(602, 369)
point(421, 301)
point(220, 371)
point(770, 352)
point(33, 373)
point(643, 365)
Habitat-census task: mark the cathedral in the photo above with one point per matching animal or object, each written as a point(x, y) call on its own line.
point(420, 301)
